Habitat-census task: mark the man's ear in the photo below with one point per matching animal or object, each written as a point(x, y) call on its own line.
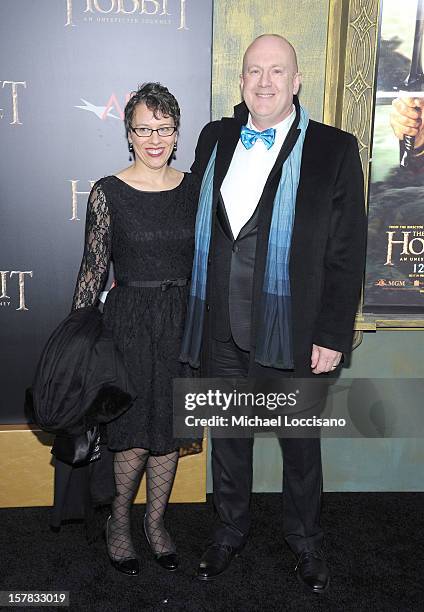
point(297, 81)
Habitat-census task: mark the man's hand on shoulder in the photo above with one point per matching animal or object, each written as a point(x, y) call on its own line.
point(324, 359)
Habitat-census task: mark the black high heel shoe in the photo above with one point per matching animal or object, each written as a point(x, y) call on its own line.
point(168, 561)
point(129, 566)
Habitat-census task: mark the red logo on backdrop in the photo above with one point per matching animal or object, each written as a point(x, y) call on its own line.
point(113, 109)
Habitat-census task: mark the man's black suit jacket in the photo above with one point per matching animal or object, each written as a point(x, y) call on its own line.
point(328, 241)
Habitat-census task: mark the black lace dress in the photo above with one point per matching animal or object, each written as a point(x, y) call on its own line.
point(149, 236)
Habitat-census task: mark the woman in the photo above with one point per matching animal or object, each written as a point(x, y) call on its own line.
point(143, 220)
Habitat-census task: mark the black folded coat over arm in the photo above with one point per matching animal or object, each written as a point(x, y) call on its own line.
point(80, 383)
point(81, 379)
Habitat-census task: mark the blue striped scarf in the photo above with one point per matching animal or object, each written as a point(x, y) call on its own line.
point(274, 346)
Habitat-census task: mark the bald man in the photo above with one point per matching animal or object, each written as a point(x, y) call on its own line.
point(271, 167)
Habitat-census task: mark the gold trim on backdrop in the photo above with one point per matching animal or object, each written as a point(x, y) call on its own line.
point(373, 322)
point(27, 471)
point(359, 76)
point(350, 70)
point(356, 110)
point(334, 65)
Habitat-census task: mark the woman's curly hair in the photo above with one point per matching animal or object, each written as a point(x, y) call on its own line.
point(157, 98)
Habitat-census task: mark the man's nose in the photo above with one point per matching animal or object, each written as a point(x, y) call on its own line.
point(265, 80)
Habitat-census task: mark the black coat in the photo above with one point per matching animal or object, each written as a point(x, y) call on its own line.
point(80, 379)
point(328, 242)
point(81, 383)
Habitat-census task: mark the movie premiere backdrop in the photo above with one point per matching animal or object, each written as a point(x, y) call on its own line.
point(67, 68)
point(394, 281)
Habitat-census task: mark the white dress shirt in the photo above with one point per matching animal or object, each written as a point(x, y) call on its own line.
point(247, 174)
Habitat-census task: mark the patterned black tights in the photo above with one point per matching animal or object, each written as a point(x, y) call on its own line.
point(160, 472)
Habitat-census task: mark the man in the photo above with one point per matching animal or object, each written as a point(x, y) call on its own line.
point(251, 314)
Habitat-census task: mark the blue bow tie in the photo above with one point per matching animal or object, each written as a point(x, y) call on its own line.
point(249, 137)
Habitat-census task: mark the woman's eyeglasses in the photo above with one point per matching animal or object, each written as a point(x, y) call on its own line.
point(144, 132)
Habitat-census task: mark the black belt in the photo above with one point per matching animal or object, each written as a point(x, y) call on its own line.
point(164, 284)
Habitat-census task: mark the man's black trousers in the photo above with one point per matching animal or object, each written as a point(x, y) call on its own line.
point(232, 470)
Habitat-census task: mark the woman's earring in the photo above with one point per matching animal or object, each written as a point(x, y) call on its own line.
point(131, 150)
point(175, 146)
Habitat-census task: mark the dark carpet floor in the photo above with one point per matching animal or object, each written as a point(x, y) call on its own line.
point(374, 547)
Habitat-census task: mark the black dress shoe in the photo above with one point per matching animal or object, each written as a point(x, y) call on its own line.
point(215, 560)
point(312, 571)
point(168, 561)
point(129, 566)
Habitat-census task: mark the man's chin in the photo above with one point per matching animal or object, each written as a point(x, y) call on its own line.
point(263, 119)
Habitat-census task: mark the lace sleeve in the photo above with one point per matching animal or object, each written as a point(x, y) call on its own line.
point(97, 250)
